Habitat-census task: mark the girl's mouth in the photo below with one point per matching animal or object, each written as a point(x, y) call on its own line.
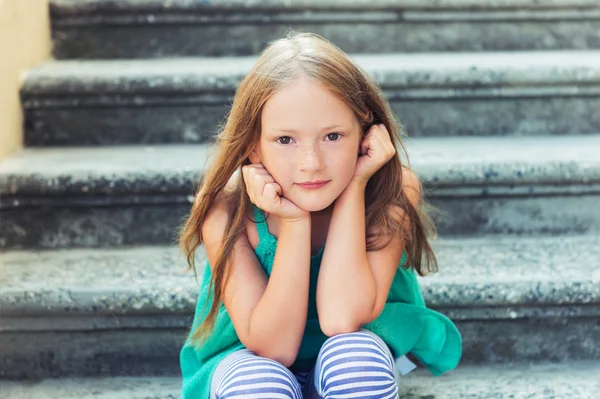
point(313, 185)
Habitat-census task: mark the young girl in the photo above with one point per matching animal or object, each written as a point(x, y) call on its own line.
point(310, 288)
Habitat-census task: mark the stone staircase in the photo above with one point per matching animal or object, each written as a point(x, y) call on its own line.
point(500, 101)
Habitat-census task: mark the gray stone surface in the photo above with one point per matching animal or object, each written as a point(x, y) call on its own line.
point(71, 6)
point(149, 28)
point(184, 100)
point(513, 299)
point(110, 352)
point(520, 215)
point(94, 222)
point(145, 387)
point(520, 227)
point(535, 339)
point(111, 196)
point(409, 71)
point(500, 271)
point(130, 349)
point(573, 380)
point(119, 170)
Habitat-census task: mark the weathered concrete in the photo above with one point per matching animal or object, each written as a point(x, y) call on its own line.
point(120, 351)
point(530, 296)
point(474, 272)
point(146, 387)
point(71, 6)
point(110, 196)
point(125, 311)
point(573, 380)
point(184, 100)
point(126, 349)
point(151, 28)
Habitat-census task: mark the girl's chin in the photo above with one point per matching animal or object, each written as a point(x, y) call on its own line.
point(314, 206)
point(318, 200)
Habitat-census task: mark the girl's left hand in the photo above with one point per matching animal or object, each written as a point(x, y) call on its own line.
point(376, 150)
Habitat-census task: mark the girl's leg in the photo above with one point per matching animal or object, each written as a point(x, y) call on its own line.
point(302, 377)
point(354, 363)
point(243, 374)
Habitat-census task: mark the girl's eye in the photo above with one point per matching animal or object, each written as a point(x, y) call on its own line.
point(287, 138)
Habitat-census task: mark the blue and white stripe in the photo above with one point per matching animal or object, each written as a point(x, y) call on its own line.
point(251, 376)
point(354, 365)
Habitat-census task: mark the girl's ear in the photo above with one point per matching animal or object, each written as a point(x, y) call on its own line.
point(254, 158)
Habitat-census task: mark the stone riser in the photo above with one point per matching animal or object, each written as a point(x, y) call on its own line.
point(136, 352)
point(132, 36)
point(118, 225)
point(541, 381)
point(127, 311)
point(179, 119)
point(573, 380)
point(98, 353)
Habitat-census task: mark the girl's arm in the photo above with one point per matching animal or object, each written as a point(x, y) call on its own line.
point(353, 284)
point(268, 314)
point(279, 318)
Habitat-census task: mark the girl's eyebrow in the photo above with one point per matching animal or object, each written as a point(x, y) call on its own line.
point(295, 131)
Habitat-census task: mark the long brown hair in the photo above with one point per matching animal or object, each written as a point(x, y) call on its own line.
point(283, 61)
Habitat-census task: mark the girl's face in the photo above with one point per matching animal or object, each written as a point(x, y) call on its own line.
point(307, 135)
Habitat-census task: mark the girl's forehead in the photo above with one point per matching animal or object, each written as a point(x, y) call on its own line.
point(305, 103)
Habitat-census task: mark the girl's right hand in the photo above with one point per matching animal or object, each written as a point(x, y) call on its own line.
point(265, 193)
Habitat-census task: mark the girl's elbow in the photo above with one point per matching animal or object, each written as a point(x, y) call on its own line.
point(337, 327)
point(336, 323)
point(280, 356)
point(285, 359)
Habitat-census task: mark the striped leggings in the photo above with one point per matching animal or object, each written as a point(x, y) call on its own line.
point(352, 365)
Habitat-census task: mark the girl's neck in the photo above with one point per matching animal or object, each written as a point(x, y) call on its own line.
point(322, 214)
point(319, 225)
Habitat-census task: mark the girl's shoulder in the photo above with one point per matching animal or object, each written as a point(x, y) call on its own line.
point(411, 185)
point(220, 211)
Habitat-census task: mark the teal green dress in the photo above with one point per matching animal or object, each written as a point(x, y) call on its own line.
point(405, 325)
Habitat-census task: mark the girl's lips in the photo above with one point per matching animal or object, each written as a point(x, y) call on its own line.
point(313, 186)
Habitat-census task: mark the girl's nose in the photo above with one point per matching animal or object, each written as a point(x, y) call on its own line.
point(310, 158)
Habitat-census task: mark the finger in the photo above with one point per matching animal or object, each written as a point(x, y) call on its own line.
point(365, 145)
point(277, 187)
point(265, 176)
point(255, 166)
point(379, 130)
point(258, 188)
point(259, 183)
point(384, 141)
point(245, 174)
point(262, 171)
point(270, 193)
point(255, 183)
point(248, 182)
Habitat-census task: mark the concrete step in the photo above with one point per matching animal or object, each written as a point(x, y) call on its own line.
point(573, 380)
point(436, 94)
point(155, 28)
point(127, 195)
point(127, 311)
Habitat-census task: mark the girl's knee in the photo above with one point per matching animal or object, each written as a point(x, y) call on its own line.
point(356, 344)
point(254, 376)
point(355, 362)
